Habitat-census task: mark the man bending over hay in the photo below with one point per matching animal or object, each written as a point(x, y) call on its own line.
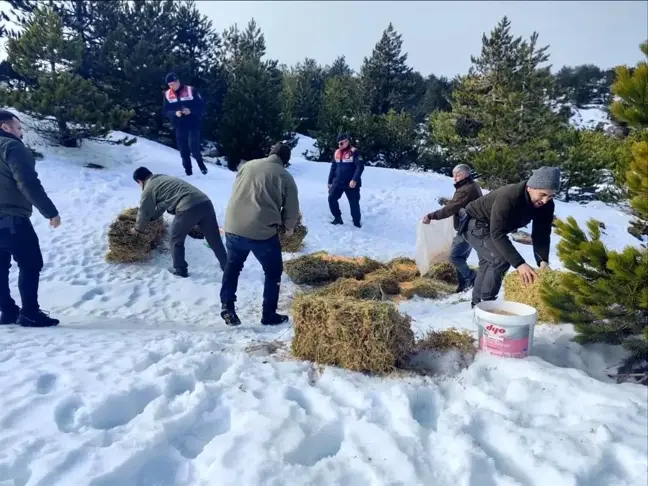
point(188, 204)
point(264, 199)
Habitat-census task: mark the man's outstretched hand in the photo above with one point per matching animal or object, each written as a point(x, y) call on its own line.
point(527, 274)
point(55, 222)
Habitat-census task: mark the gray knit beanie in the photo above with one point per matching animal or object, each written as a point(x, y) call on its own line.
point(545, 178)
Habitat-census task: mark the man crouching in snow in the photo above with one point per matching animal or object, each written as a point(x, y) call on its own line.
point(188, 204)
point(492, 217)
point(264, 198)
point(466, 191)
point(20, 189)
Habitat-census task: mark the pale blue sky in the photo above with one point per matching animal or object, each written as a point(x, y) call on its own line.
point(440, 36)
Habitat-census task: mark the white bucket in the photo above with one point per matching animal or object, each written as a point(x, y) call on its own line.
point(508, 336)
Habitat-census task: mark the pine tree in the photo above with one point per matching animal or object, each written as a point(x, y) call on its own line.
point(341, 108)
point(506, 102)
point(49, 56)
point(397, 140)
point(303, 95)
point(604, 294)
point(339, 68)
point(631, 89)
point(252, 108)
point(386, 76)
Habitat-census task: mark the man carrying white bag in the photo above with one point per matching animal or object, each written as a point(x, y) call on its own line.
point(437, 238)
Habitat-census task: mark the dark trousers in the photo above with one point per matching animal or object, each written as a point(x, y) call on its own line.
point(492, 265)
point(188, 141)
point(268, 253)
point(353, 196)
point(204, 216)
point(459, 253)
point(19, 240)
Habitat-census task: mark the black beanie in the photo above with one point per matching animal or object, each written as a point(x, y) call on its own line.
point(282, 150)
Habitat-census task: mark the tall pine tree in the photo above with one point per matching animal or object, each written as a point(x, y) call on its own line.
point(504, 105)
point(48, 55)
point(303, 95)
point(252, 108)
point(385, 75)
point(339, 68)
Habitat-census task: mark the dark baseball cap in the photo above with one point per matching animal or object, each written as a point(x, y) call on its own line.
point(170, 78)
point(343, 136)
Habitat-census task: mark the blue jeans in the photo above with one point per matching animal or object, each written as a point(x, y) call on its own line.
point(459, 254)
point(268, 253)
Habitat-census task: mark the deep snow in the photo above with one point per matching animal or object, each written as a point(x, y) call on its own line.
point(142, 384)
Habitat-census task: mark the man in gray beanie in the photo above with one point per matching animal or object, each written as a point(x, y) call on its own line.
point(490, 219)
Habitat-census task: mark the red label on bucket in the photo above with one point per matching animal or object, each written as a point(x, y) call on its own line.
point(500, 341)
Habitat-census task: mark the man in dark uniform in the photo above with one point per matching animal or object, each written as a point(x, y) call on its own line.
point(185, 107)
point(345, 178)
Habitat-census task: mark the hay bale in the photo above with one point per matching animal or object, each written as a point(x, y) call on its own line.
point(196, 233)
point(447, 340)
point(516, 291)
point(444, 272)
point(354, 334)
point(357, 289)
point(404, 269)
point(522, 237)
point(295, 242)
point(320, 268)
point(386, 279)
point(426, 288)
point(123, 247)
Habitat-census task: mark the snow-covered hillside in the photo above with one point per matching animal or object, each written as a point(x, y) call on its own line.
point(142, 384)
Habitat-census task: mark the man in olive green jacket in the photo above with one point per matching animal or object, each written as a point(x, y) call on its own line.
point(264, 198)
point(190, 206)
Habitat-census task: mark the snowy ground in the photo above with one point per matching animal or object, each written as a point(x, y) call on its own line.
point(142, 384)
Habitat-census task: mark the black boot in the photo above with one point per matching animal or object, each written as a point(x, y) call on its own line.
point(179, 273)
point(337, 221)
point(204, 170)
point(274, 319)
point(229, 315)
point(357, 224)
point(38, 319)
point(9, 316)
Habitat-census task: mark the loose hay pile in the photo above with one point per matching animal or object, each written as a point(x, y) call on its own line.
point(445, 272)
point(425, 288)
point(447, 340)
point(515, 290)
point(295, 242)
point(386, 279)
point(321, 268)
point(123, 247)
point(357, 289)
point(354, 334)
point(404, 269)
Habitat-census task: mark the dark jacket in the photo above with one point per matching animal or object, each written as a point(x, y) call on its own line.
point(184, 97)
point(166, 193)
point(507, 209)
point(466, 191)
point(20, 188)
point(346, 167)
point(264, 198)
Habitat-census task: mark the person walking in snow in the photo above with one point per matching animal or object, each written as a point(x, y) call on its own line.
point(190, 207)
point(264, 198)
point(20, 190)
point(466, 191)
point(490, 219)
point(185, 107)
point(345, 178)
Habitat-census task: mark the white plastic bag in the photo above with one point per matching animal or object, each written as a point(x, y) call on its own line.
point(433, 243)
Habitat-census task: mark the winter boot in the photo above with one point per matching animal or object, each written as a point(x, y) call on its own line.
point(39, 319)
point(274, 319)
point(467, 284)
point(337, 221)
point(204, 170)
point(179, 273)
point(229, 315)
point(357, 224)
point(9, 316)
